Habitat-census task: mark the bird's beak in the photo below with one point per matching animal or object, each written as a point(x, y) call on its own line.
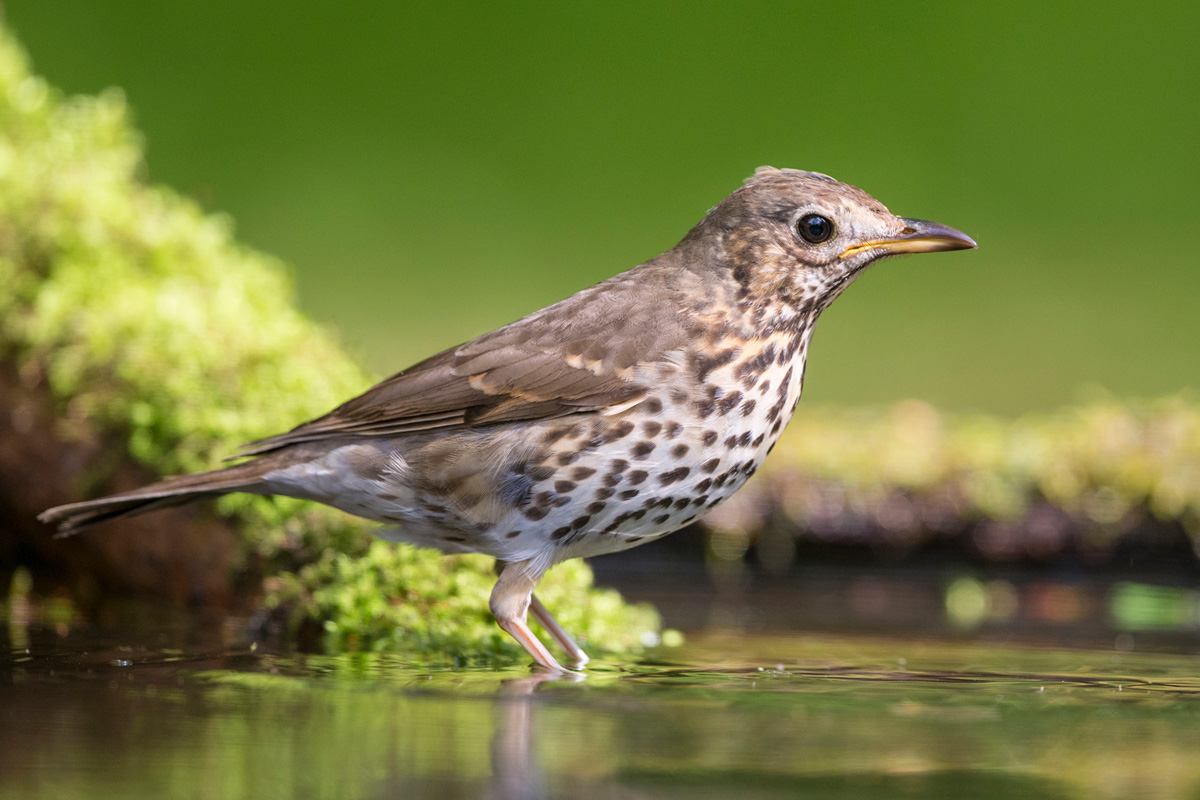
point(918, 236)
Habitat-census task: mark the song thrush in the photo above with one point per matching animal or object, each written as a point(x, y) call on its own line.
point(614, 417)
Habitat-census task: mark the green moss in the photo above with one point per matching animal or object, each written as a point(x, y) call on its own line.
point(150, 325)
point(387, 599)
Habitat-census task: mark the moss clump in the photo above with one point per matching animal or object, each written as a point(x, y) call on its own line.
point(386, 600)
point(149, 325)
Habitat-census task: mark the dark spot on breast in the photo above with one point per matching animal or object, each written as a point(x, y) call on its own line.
point(618, 431)
point(651, 428)
point(764, 387)
point(618, 465)
point(710, 437)
point(678, 474)
point(748, 408)
point(612, 480)
point(629, 494)
point(659, 520)
point(560, 501)
point(673, 429)
point(758, 440)
point(554, 434)
point(678, 396)
point(637, 476)
point(560, 532)
point(535, 513)
point(542, 499)
point(604, 494)
point(388, 496)
point(595, 508)
point(792, 347)
point(699, 501)
point(705, 408)
point(567, 458)
point(710, 465)
point(653, 405)
point(580, 522)
point(750, 470)
point(679, 450)
point(642, 449)
point(564, 487)
point(775, 428)
point(756, 364)
point(703, 365)
point(729, 402)
point(512, 534)
point(582, 473)
point(714, 503)
point(638, 514)
point(738, 440)
point(703, 485)
point(682, 503)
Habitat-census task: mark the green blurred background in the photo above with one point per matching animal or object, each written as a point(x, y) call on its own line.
point(434, 170)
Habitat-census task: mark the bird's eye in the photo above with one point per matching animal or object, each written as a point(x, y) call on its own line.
point(814, 229)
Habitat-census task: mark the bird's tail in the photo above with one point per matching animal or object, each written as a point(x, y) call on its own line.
point(74, 517)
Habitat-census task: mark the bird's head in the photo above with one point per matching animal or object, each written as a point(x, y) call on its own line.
point(802, 237)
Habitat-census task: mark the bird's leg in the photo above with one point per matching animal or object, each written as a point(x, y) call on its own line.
point(510, 602)
point(578, 658)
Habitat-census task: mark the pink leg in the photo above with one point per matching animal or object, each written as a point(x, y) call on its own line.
point(578, 658)
point(510, 602)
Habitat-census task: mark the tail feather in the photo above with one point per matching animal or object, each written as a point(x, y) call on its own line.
point(74, 517)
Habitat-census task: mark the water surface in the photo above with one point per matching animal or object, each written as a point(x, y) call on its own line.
point(152, 704)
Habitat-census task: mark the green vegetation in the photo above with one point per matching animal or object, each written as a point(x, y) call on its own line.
point(380, 600)
point(147, 322)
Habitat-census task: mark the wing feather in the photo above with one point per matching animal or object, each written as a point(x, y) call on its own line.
point(575, 356)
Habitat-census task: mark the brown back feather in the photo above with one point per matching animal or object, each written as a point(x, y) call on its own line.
point(575, 356)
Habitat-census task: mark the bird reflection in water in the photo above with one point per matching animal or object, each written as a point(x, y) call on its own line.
point(516, 773)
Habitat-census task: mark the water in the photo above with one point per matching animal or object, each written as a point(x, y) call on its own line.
point(146, 703)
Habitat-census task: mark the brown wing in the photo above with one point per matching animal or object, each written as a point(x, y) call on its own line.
point(578, 355)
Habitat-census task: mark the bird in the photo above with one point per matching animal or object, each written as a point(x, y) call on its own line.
point(609, 419)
